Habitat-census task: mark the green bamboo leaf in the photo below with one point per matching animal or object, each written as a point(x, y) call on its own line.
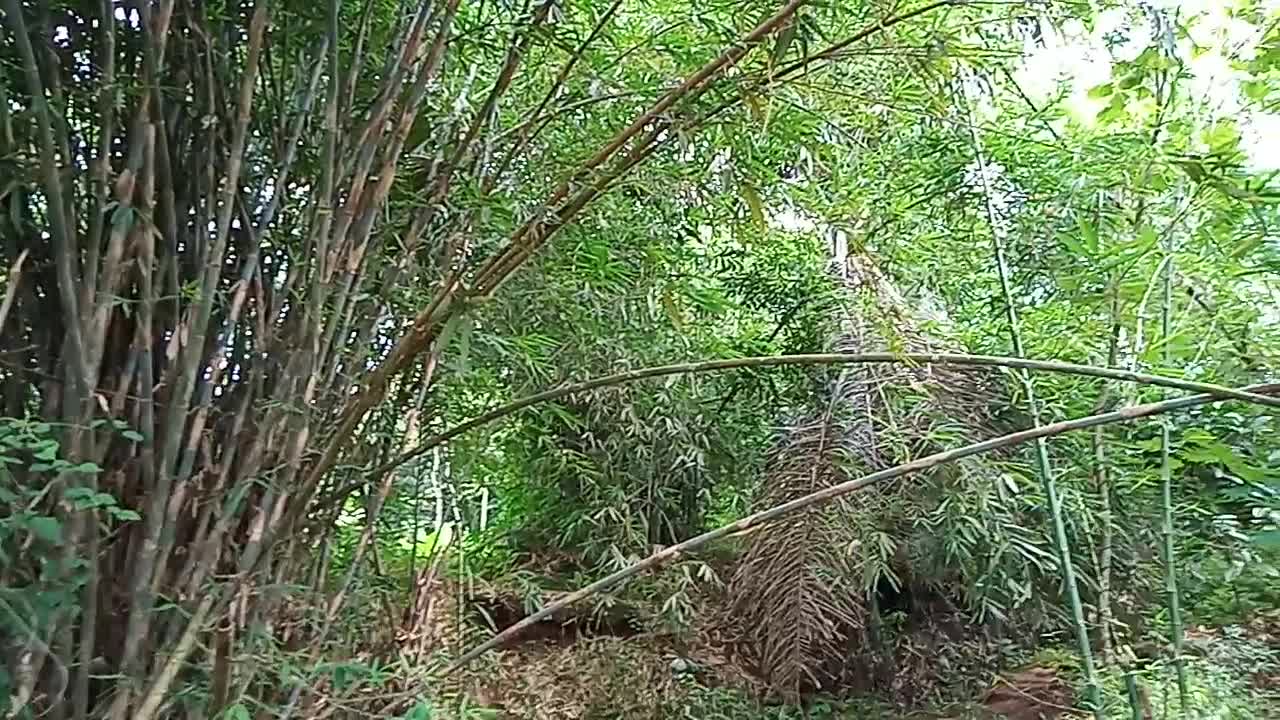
point(1147, 238)
point(1193, 168)
point(672, 310)
point(1074, 245)
point(754, 204)
point(785, 36)
point(1247, 246)
point(1098, 92)
point(1089, 234)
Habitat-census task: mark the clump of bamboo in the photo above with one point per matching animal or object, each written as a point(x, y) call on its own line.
point(212, 228)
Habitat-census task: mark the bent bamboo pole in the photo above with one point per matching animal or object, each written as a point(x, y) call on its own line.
point(1218, 391)
point(1126, 414)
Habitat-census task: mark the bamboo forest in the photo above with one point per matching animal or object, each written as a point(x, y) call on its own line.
point(639, 359)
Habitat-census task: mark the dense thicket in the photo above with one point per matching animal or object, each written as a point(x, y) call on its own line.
point(260, 251)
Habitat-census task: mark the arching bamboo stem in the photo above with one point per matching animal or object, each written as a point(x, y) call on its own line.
point(1126, 414)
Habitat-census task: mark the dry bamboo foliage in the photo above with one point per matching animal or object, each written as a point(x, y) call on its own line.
point(805, 587)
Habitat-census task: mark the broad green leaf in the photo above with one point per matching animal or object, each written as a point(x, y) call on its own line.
point(46, 528)
point(47, 450)
point(1256, 89)
point(421, 711)
point(1147, 238)
point(1222, 137)
point(1114, 111)
point(124, 514)
point(1098, 92)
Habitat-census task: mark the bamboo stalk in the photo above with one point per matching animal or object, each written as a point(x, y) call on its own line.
point(63, 236)
point(1126, 414)
point(101, 168)
point(515, 54)
point(630, 376)
point(255, 232)
point(347, 91)
point(11, 286)
point(1131, 690)
point(428, 322)
point(169, 438)
point(154, 694)
point(370, 140)
point(1166, 496)
point(500, 264)
point(1043, 464)
point(133, 660)
point(398, 63)
point(831, 53)
point(359, 230)
point(527, 130)
point(1102, 482)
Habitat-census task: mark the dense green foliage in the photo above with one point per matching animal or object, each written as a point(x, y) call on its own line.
point(260, 252)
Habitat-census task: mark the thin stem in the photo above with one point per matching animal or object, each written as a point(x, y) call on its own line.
point(11, 286)
point(102, 163)
point(1043, 465)
point(1102, 482)
point(530, 128)
point(630, 376)
point(169, 437)
point(1135, 700)
point(1166, 489)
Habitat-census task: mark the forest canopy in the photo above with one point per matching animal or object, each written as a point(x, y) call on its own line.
point(575, 359)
